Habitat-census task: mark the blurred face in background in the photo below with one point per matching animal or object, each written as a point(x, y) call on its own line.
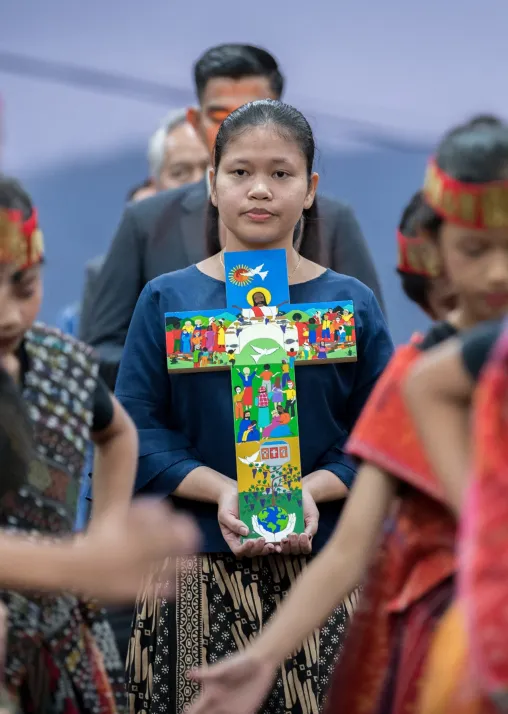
point(185, 158)
point(20, 302)
point(222, 96)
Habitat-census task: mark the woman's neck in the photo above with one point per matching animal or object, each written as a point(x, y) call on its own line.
point(233, 244)
point(300, 269)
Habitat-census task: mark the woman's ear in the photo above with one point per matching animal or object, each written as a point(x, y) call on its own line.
point(311, 193)
point(213, 192)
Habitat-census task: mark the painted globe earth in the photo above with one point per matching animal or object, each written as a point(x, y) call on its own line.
point(273, 519)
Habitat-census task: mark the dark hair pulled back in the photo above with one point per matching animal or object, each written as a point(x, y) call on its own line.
point(292, 125)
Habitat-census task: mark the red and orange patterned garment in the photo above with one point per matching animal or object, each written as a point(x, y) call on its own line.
point(411, 582)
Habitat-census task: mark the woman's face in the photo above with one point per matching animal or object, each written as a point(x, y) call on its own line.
point(20, 301)
point(476, 263)
point(261, 188)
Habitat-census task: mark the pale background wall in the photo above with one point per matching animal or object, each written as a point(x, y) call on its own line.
point(84, 84)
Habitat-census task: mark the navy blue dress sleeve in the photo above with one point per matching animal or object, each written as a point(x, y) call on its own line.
point(375, 348)
point(143, 387)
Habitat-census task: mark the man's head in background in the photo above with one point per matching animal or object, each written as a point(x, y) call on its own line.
point(226, 77)
point(176, 155)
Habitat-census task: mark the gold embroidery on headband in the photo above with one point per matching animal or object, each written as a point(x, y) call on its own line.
point(400, 256)
point(495, 207)
point(449, 203)
point(475, 205)
point(414, 260)
point(11, 240)
point(433, 185)
point(37, 245)
point(431, 261)
point(468, 207)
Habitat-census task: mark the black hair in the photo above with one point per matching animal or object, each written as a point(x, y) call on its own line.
point(484, 120)
point(14, 197)
point(291, 124)
point(108, 371)
point(15, 436)
point(415, 287)
point(473, 153)
point(236, 61)
point(147, 183)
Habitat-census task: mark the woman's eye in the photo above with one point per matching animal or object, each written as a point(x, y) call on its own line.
point(473, 248)
point(240, 172)
point(474, 251)
point(25, 291)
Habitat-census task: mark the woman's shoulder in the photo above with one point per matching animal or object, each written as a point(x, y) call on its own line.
point(347, 282)
point(44, 342)
point(186, 289)
point(176, 280)
point(337, 286)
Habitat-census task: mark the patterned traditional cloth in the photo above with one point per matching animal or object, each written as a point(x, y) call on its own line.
point(410, 584)
point(473, 635)
point(221, 604)
point(61, 655)
point(484, 537)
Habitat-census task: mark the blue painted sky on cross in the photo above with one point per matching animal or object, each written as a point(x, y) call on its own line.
point(248, 270)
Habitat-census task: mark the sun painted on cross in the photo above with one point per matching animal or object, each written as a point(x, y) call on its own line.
point(239, 275)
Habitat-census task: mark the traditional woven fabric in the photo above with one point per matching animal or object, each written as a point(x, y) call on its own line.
point(221, 604)
point(410, 584)
point(61, 655)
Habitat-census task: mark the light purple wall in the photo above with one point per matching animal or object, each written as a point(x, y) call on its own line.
point(379, 81)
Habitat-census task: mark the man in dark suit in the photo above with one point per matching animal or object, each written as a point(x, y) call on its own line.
point(167, 231)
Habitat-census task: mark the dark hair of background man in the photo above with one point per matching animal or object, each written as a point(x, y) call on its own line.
point(236, 61)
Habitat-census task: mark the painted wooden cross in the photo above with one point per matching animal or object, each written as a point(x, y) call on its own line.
point(260, 337)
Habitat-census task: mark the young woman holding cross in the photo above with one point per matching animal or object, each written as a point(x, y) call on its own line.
point(262, 191)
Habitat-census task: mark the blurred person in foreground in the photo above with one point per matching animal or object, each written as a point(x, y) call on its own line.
point(167, 232)
point(61, 656)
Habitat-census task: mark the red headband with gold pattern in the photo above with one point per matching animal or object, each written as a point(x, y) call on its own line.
point(416, 256)
point(21, 241)
point(472, 205)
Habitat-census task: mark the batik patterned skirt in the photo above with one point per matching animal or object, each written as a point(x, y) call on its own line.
point(221, 604)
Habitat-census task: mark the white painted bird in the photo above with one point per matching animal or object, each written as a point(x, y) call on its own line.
point(250, 460)
point(262, 352)
point(257, 271)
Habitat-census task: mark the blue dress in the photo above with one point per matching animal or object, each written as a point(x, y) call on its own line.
point(185, 421)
